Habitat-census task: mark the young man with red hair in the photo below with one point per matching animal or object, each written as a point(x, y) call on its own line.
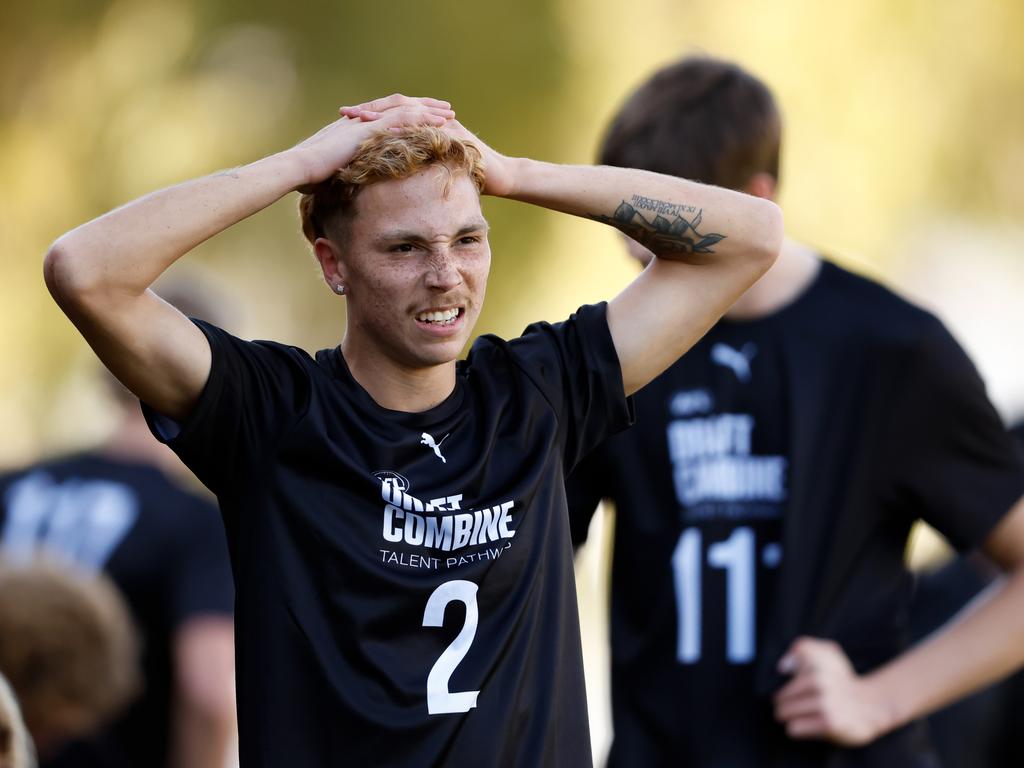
point(396, 518)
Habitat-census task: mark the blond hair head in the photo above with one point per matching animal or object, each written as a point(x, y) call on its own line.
point(385, 156)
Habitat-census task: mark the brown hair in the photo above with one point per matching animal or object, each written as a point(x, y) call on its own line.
point(386, 155)
point(701, 119)
point(66, 639)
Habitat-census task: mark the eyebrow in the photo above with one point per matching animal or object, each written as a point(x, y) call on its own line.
point(410, 236)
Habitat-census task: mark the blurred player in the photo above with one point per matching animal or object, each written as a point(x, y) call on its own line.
point(396, 520)
point(763, 500)
point(116, 509)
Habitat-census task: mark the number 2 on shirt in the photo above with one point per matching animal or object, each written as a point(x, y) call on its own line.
point(441, 701)
point(737, 556)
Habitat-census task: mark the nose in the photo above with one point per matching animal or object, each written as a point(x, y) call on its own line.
point(442, 271)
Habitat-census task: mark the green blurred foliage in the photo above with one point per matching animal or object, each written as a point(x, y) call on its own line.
point(897, 112)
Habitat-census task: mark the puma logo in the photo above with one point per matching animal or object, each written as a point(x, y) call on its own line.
point(428, 441)
point(736, 359)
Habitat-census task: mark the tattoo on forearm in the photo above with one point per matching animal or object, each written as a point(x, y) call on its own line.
point(668, 232)
point(660, 206)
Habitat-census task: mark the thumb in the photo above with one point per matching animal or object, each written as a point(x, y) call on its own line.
point(788, 664)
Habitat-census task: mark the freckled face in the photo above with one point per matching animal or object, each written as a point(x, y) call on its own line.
point(416, 262)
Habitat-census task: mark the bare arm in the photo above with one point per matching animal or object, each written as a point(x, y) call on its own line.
point(982, 644)
point(204, 693)
point(710, 245)
point(100, 272)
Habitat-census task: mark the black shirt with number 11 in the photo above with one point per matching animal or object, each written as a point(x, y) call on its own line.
point(404, 580)
point(767, 492)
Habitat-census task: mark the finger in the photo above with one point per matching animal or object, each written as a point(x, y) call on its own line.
point(790, 661)
point(803, 706)
point(396, 100)
point(434, 103)
point(797, 687)
point(366, 115)
point(388, 102)
point(399, 117)
point(813, 727)
point(806, 654)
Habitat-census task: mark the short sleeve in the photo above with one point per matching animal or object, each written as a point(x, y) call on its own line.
point(575, 365)
point(255, 391)
point(201, 581)
point(954, 457)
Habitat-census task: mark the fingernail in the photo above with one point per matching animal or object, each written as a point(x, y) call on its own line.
point(786, 665)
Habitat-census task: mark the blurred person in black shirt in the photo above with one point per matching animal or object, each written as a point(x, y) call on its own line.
point(119, 509)
point(763, 500)
point(68, 647)
point(397, 519)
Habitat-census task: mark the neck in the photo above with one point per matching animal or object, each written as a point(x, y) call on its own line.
point(790, 275)
point(396, 387)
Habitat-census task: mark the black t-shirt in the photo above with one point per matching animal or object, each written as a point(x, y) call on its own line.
point(405, 584)
point(162, 546)
point(879, 419)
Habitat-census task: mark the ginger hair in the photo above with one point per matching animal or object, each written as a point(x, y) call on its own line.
point(385, 156)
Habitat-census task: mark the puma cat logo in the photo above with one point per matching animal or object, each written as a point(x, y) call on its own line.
point(428, 441)
point(736, 359)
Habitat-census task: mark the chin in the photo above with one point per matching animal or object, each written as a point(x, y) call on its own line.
point(439, 354)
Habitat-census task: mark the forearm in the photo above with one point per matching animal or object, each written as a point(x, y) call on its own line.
point(125, 250)
point(672, 217)
point(204, 702)
point(200, 739)
point(981, 645)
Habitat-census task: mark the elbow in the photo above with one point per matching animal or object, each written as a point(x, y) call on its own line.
point(68, 275)
point(771, 232)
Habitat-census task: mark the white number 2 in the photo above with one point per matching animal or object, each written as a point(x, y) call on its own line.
point(441, 701)
point(737, 556)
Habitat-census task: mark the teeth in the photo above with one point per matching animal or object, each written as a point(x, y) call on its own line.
point(446, 317)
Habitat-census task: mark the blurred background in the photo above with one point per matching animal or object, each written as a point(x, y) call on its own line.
point(904, 152)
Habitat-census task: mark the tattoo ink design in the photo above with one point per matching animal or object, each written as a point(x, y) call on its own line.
point(668, 232)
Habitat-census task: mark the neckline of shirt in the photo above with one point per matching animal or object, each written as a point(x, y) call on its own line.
point(341, 374)
point(825, 271)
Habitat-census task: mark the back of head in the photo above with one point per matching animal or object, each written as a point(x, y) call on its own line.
point(700, 119)
point(325, 210)
point(15, 745)
point(68, 648)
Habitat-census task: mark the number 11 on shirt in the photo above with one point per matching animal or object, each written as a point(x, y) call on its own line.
point(737, 556)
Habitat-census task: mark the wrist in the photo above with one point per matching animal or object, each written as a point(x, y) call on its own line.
point(888, 708)
point(518, 177)
point(292, 166)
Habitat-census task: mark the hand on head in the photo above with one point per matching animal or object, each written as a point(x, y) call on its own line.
point(334, 145)
point(396, 112)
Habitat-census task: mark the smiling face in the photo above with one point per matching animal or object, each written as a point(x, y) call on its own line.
point(414, 263)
